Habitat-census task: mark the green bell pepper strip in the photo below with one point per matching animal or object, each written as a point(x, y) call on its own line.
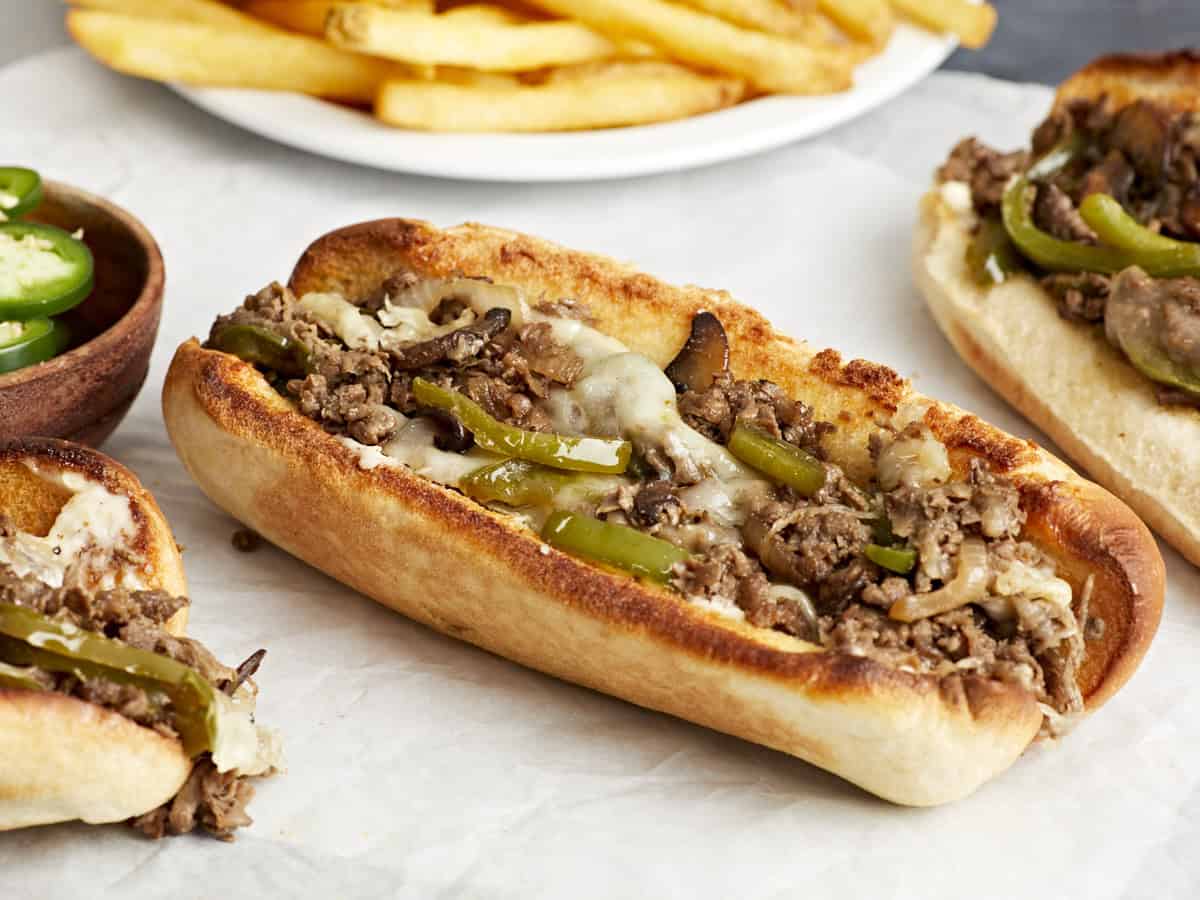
point(19, 677)
point(895, 559)
point(23, 184)
point(51, 296)
point(991, 256)
point(616, 545)
point(516, 482)
point(37, 341)
point(263, 347)
point(62, 647)
point(577, 454)
point(1159, 255)
point(1048, 251)
point(784, 462)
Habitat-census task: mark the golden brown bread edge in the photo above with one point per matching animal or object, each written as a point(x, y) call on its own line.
point(439, 558)
point(1064, 376)
point(64, 758)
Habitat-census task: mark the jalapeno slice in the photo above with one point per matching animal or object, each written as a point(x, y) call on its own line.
point(28, 638)
point(26, 343)
point(20, 191)
point(263, 347)
point(43, 270)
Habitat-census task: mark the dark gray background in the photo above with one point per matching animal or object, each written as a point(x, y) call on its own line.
point(1046, 40)
point(1037, 40)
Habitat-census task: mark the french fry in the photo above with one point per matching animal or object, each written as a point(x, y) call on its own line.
point(971, 23)
point(442, 40)
point(201, 54)
point(474, 77)
point(304, 16)
point(557, 106)
point(199, 12)
point(870, 21)
point(764, 15)
point(308, 16)
point(485, 14)
point(615, 68)
point(768, 62)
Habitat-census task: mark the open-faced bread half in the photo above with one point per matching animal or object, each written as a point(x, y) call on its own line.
point(85, 553)
point(1059, 369)
point(65, 758)
point(484, 576)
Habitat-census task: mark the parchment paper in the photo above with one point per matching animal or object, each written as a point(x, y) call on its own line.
point(419, 766)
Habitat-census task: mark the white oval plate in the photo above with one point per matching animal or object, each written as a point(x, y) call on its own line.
point(335, 131)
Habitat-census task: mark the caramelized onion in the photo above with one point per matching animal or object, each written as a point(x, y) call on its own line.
point(969, 586)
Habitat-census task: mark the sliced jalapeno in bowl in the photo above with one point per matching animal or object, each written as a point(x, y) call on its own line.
point(26, 343)
point(20, 191)
point(44, 271)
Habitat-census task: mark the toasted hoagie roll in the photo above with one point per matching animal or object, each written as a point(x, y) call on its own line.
point(1098, 344)
point(107, 712)
point(474, 427)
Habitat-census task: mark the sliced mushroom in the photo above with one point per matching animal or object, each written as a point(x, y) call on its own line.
point(656, 502)
point(451, 435)
point(1156, 322)
point(456, 346)
point(1141, 130)
point(704, 356)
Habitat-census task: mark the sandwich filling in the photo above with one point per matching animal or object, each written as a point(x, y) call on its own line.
point(716, 487)
point(1104, 210)
point(67, 629)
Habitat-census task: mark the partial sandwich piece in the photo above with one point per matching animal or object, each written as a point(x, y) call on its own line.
point(1090, 343)
point(107, 713)
point(741, 624)
point(65, 508)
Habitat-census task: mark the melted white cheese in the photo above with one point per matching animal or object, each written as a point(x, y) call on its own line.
point(957, 196)
point(914, 461)
point(241, 744)
point(590, 344)
point(413, 447)
point(90, 528)
point(1015, 588)
point(27, 261)
point(625, 394)
point(393, 326)
point(357, 331)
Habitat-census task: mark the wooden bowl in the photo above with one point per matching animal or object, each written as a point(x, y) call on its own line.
point(83, 394)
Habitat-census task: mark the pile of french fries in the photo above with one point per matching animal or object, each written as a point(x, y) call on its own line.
point(512, 65)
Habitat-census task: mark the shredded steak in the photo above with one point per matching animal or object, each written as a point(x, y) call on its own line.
point(212, 800)
point(715, 411)
point(987, 171)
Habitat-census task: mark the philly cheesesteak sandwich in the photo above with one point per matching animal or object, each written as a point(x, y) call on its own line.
point(646, 490)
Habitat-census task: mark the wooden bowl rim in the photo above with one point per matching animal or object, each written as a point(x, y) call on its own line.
point(138, 315)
